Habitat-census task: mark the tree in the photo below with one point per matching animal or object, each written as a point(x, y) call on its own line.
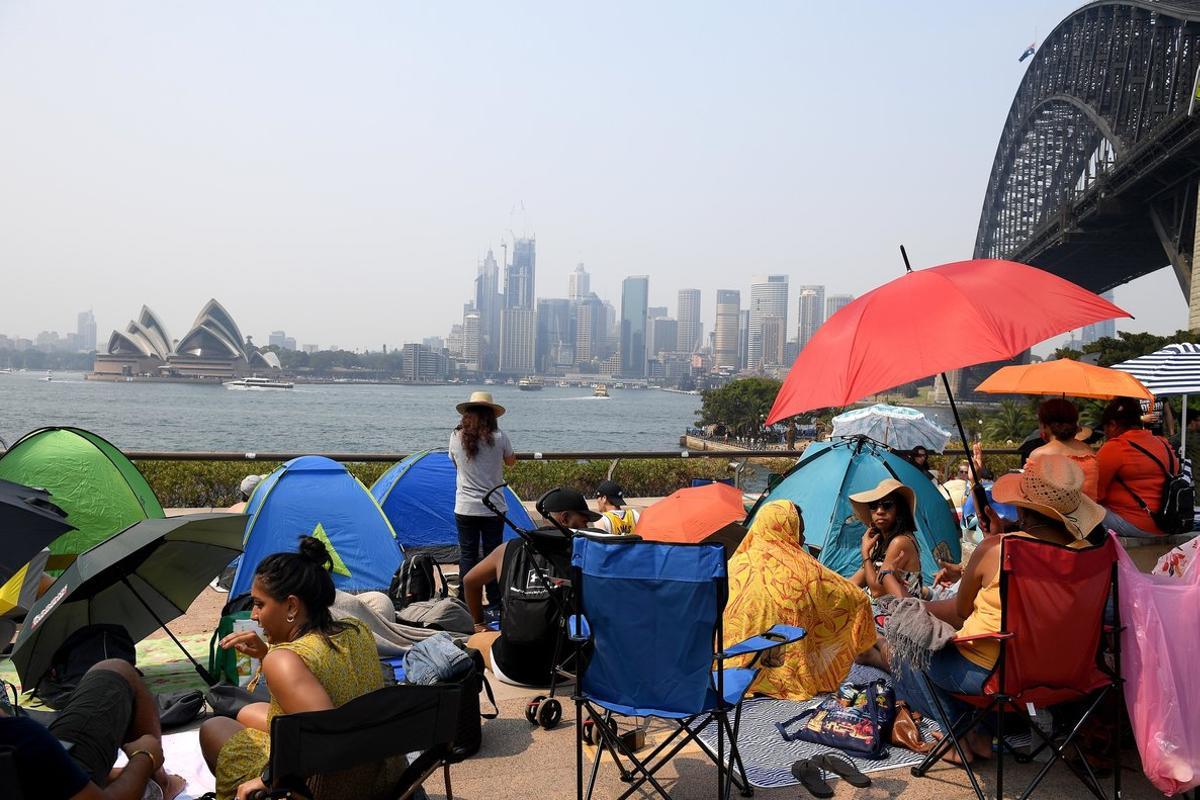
point(1126, 345)
point(741, 405)
point(1013, 420)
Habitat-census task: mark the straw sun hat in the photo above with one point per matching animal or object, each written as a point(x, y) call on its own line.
point(1052, 485)
point(481, 399)
point(862, 500)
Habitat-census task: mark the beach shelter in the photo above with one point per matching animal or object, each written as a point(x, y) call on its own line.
point(90, 479)
point(316, 496)
point(829, 472)
point(417, 495)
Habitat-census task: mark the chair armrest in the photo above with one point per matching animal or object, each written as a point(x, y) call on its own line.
point(776, 636)
point(976, 637)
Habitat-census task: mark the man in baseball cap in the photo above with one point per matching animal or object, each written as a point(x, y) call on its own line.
point(614, 518)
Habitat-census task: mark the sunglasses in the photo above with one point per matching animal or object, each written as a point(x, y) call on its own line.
point(886, 505)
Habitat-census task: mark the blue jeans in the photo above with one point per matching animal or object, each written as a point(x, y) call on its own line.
point(1122, 527)
point(472, 532)
point(949, 672)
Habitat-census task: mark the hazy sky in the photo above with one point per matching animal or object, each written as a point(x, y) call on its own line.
point(337, 169)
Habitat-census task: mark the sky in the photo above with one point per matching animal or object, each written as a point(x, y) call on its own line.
point(337, 170)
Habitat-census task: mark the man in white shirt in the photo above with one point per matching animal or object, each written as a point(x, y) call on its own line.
point(613, 517)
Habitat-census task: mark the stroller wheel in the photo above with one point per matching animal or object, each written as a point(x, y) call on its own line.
point(531, 710)
point(550, 713)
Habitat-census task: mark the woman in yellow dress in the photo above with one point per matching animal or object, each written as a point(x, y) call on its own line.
point(773, 580)
point(313, 663)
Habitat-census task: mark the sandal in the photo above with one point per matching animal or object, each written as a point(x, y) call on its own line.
point(809, 774)
point(844, 768)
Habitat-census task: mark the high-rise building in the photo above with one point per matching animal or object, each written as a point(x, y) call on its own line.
point(276, 339)
point(454, 340)
point(470, 339)
point(1099, 330)
point(635, 301)
point(423, 364)
point(773, 330)
point(811, 313)
point(85, 331)
point(691, 327)
point(519, 275)
point(743, 339)
point(725, 335)
point(768, 297)
point(555, 345)
point(579, 284)
point(654, 312)
point(836, 302)
point(518, 332)
point(662, 335)
point(434, 342)
point(488, 302)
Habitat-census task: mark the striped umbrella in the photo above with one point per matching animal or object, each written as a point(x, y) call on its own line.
point(1175, 369)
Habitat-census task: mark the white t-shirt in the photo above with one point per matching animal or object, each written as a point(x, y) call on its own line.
point(605, 524)
point(479, 475)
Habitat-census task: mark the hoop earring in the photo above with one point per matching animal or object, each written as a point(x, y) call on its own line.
point(291, 617)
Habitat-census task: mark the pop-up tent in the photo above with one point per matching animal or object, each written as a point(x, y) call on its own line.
point(417, 494)
point(315, 496)
point(99, 488)
point(822, 481)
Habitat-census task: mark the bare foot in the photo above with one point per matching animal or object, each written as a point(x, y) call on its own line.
point(174, 785)
point(951, 756)
point(980, 744)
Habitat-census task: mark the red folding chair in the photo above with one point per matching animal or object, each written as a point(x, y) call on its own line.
point(1052, 641)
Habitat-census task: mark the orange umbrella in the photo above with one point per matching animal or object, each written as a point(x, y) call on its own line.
point(690, 515)
point(1064, 376)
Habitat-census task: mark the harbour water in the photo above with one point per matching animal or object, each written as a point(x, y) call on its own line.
point(335, 417)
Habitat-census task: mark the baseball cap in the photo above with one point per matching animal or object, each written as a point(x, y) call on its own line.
point(566, 499)
point(613, 491)
point(249, 483)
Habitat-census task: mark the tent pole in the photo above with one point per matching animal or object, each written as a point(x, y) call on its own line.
point(208, 679)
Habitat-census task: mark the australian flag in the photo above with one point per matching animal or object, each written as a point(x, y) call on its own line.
point(1028, 52)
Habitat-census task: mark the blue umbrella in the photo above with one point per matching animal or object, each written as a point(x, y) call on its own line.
point(898, 427)
point(829, 472)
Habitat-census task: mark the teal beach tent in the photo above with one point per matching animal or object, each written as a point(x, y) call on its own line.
point(417, 495)
point(314, 496)
point(829, 472)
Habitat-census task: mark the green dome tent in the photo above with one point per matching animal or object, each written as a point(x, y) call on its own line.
point(99, 488)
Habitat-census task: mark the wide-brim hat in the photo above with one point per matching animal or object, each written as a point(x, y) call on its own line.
point(1052, 485)
point(862, 500)
point(481, 399)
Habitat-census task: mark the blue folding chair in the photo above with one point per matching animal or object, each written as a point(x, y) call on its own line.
point(653, 614)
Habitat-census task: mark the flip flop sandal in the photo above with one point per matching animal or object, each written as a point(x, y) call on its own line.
point(809, 774)
point(844, 768)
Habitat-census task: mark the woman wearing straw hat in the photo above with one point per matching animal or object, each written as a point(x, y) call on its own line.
point(891, 562)
point(479, 450)
point(1051, 506)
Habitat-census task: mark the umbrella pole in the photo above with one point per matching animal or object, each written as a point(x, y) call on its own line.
point(208, 679)
point(1183, 430)
point(981, 502)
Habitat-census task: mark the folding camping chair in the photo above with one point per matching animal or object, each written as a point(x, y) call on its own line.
point(1052, 638)
point(653, 614)
point(374, 727)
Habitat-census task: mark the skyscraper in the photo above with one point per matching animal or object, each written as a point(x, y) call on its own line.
point(579, 284)
point(488, 302)
point(1098, 330)
point(691, 328)
point(635, 299)
point(555, 346)
point(836, 302)
point(85, 330)
point(591, 328)
point(725, 335)
point(470, 339)
point(519, 275)
point(743, 339)
point(662, 336)
point(811, 313)
point(774, 340)
point(518, 332)
point(768, 296)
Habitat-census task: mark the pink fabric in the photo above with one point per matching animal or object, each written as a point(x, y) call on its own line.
point(1159, 650)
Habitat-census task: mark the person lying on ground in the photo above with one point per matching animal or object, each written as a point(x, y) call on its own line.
point(891, 562)
point(313, 663)
point(110, 710)
point(614, 518)
point(1052, 507)
point(773, 580)
point(529, 661)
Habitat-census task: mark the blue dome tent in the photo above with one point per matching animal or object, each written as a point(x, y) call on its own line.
point(417, 495)
point(315, 496)
point(829, 472)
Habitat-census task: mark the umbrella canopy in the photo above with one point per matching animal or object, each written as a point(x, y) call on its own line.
point(1064, 376)
point(1175, 369)
point(898, 427)
point(829, 472)
point(692, 514)
point(972, 312)
point(142, 578)
point(28, 523)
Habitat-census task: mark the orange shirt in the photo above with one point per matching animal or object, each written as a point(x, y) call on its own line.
point(1138, 472)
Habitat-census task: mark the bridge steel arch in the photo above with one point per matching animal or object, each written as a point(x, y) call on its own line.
point(1097, 170)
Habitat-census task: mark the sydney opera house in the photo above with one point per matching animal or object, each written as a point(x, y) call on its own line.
point(212, 350)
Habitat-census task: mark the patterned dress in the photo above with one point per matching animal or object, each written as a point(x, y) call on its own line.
point(773, 580)
point(347, 669)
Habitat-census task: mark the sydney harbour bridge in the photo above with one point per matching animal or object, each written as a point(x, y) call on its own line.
point(1098, 168)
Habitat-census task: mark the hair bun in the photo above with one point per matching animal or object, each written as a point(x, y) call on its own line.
point(314, 550)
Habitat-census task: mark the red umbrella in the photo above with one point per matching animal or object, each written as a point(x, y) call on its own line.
point(690, 515)
point(931, 321)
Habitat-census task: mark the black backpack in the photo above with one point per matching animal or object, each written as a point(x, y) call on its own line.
point(78, 653)
point(531, 614)
point(1177, 511)
point(414, 581)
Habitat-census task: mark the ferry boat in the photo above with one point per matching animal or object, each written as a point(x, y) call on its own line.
point(256, 382)
point(530, 384)
point(599, 390)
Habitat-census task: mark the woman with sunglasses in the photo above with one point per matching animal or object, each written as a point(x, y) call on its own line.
point(891, 562)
